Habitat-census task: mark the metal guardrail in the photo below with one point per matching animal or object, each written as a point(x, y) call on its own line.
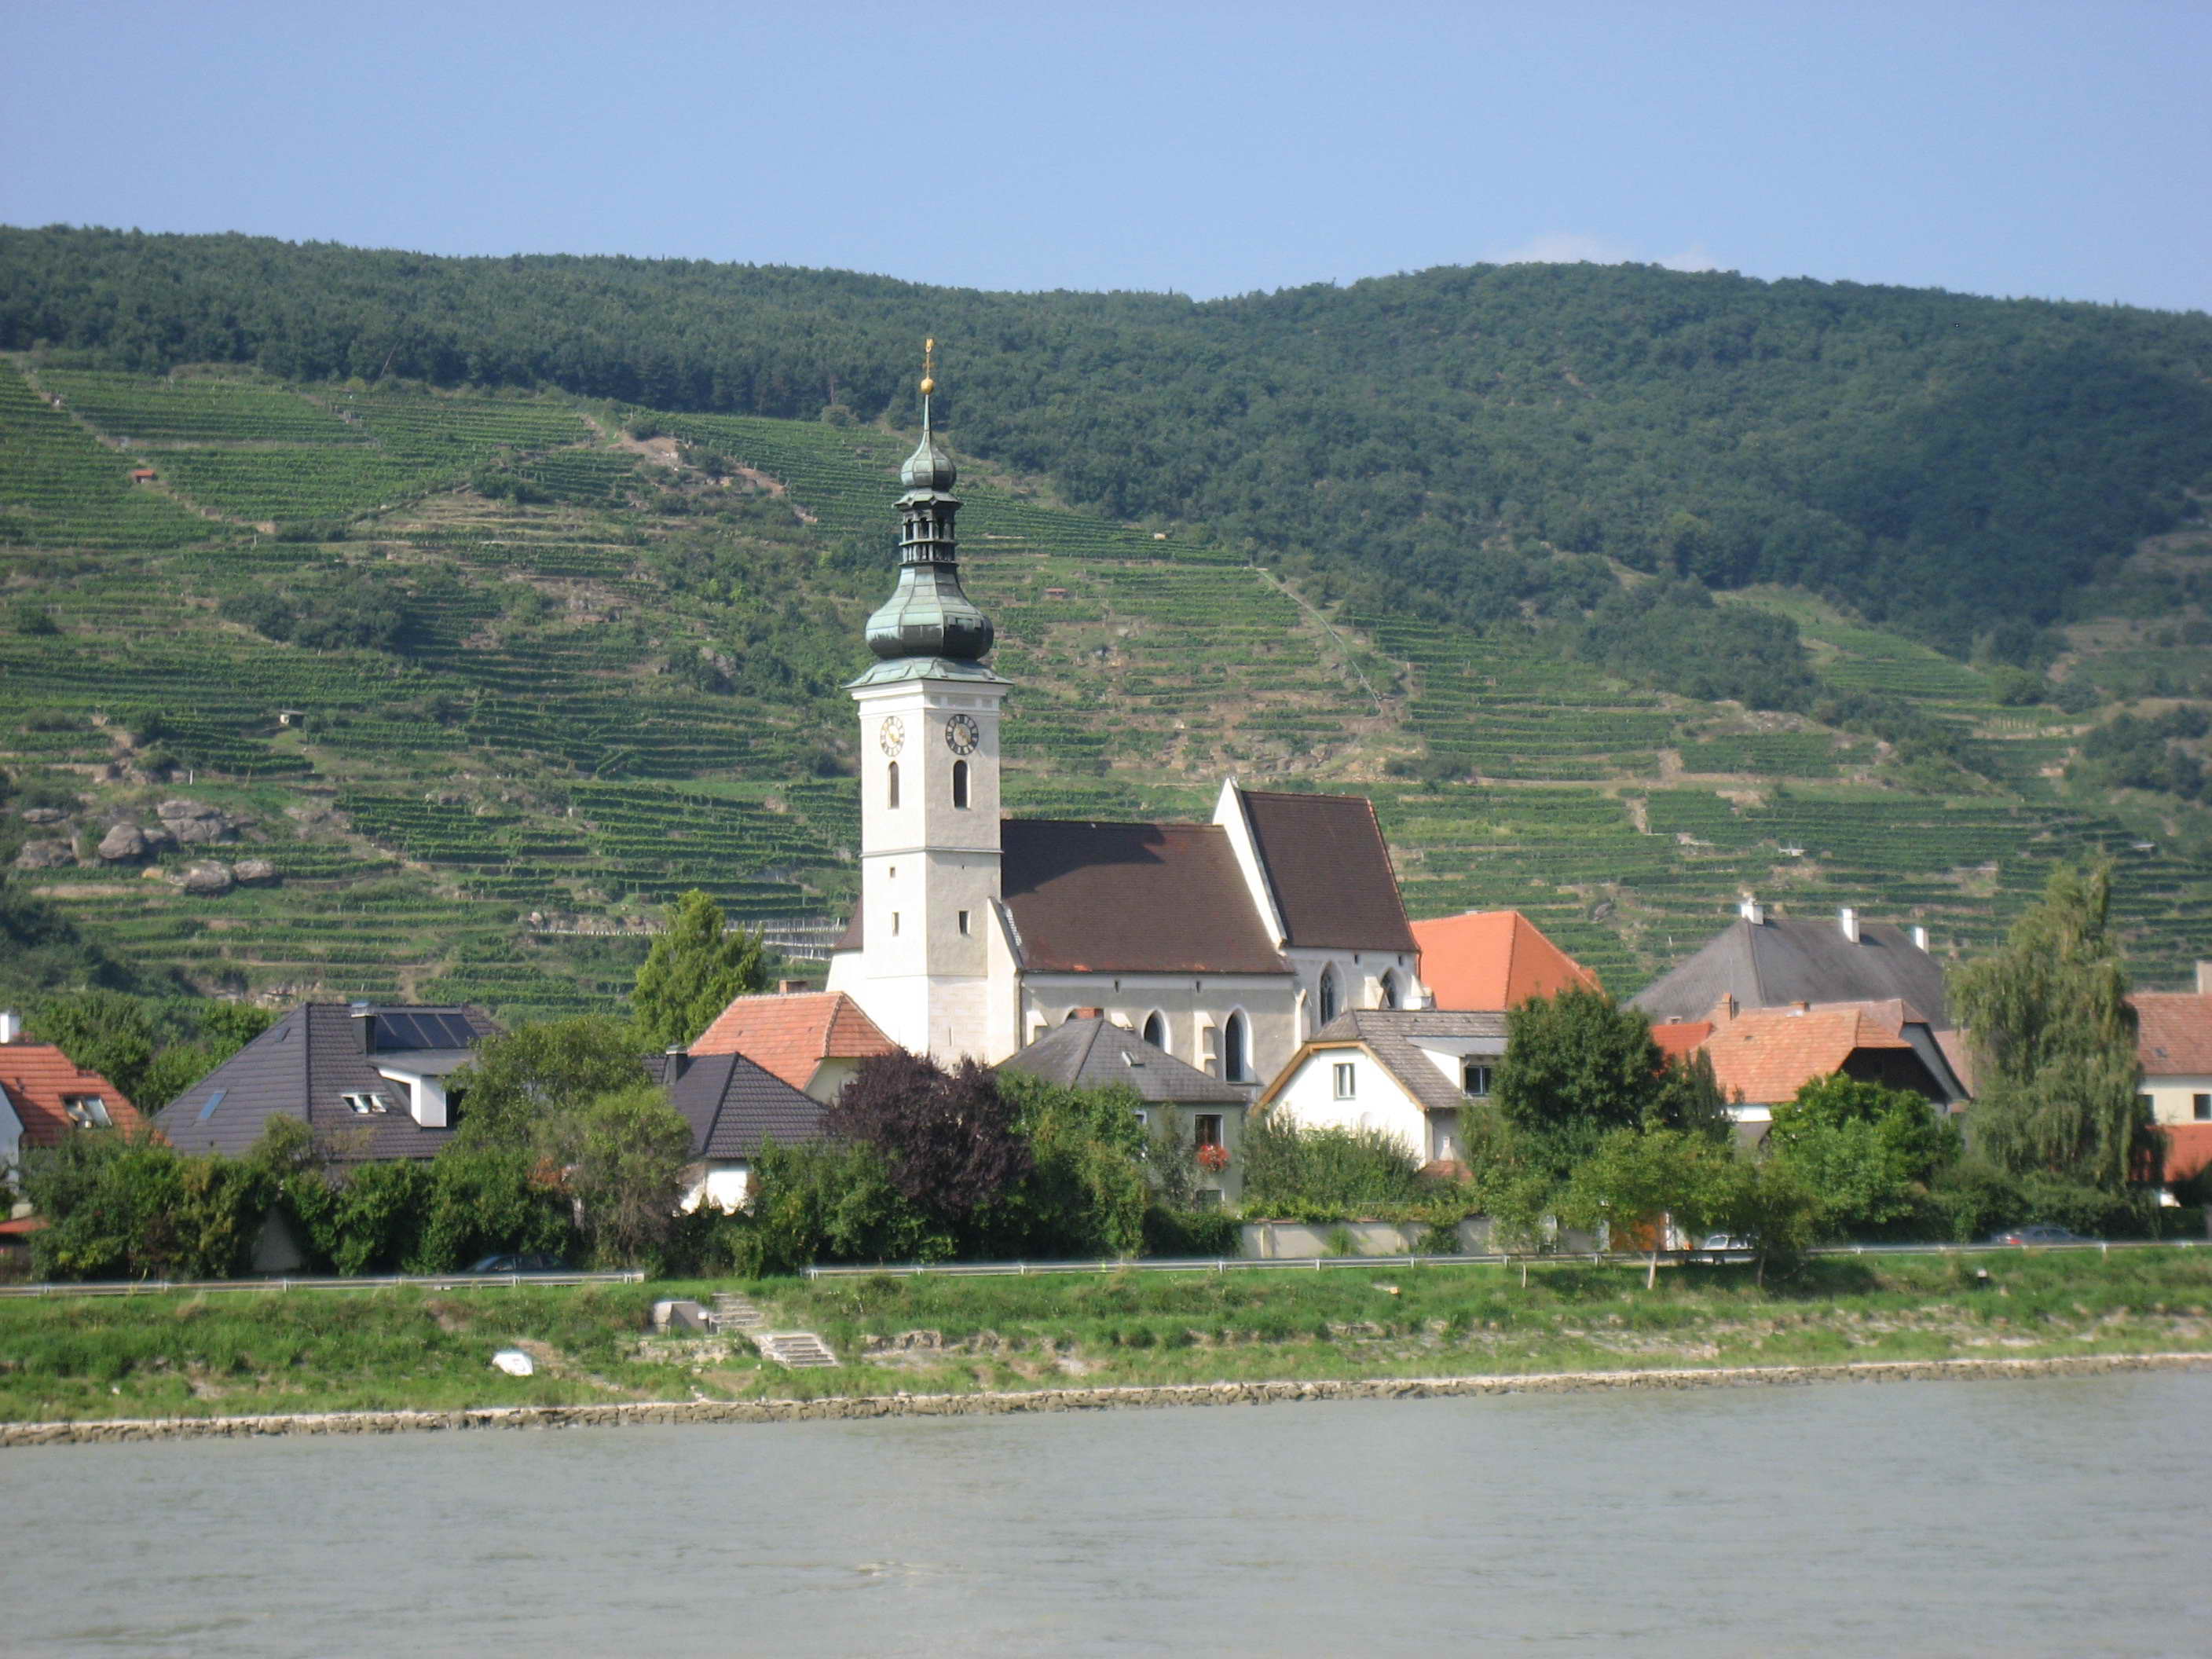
point(1494, 1259)
point(383, 1282)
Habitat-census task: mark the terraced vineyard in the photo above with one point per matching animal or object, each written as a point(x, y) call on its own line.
point(616, 679)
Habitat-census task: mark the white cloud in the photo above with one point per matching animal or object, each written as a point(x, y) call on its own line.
point(1571, 248)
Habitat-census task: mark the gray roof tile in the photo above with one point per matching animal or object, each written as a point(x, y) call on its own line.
point(1786, 959)
point(1096, 1053)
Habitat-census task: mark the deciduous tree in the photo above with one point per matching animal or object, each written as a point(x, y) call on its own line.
point(693, 971)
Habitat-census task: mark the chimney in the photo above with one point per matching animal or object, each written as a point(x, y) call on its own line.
point(790, 987)
point(678, 1058)
point(1752, 911)
point(1847, 922)
point(1920, 943)
point(11, 1022)
point(2203, 983)
point(1088, 1013)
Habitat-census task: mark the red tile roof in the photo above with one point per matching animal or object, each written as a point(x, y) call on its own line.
point(789, 1036)
point(1493, 959)
point(1680, 1039)
point(1767, 1055)
point(2187, 1149)
point(40, 1079)
point(2173, 1035)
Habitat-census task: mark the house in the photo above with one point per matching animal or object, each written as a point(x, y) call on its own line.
point(1090, 1051)
point(1494, 960)
point(2173, 1047)
point(46, 1097)
point(369, 1079)
point(1226, 943)
point(1406, 1073)
point(1762, 1056)
point(733, 1106)
point(141, 474)
point(811, 1039)
point(1766, 960)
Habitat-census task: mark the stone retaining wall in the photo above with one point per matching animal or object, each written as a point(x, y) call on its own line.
point(1068, 1400)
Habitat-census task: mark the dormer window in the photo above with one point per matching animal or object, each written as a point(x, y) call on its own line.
point(87, 1111)
point(367, 1104)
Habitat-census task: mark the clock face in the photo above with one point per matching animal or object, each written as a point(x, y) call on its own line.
point(960, 734)
point(893, 736)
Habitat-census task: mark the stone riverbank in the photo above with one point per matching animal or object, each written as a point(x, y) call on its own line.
point(613, 1415)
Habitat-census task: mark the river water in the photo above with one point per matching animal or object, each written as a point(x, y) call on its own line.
point(2054, 1517)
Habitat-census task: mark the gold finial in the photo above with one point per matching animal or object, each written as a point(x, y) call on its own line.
point(928, 367)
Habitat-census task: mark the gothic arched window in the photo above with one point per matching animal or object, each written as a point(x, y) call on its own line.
point(1329, 997)
point(960, 783)
point(1236, 1048)
point(1156, 1029)
point(890, 786)
point(1386, 995)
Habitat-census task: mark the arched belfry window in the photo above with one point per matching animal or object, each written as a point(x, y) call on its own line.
point(1329, 997)
point(1386, 994)
point(960, 783)
point(890, 786)
point(1156, 1029)
point(1236, 1048)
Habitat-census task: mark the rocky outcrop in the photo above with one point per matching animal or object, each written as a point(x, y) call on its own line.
point(252, 870)
point(1075, 1399)
point(206, 879)
point(43, 815)
point(45, 855)
point(194, 822)
point(127, 843)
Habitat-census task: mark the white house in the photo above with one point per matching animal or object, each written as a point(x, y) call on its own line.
point(1406, 1073)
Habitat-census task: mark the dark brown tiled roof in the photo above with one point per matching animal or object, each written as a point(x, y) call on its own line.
point(1329, 871)
point(1132, 898)
point(733, 1105)
point(304, 1064)
point(1096, 1053)
point(1786, 959)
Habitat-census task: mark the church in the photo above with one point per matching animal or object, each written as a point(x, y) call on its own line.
point(1226, 944)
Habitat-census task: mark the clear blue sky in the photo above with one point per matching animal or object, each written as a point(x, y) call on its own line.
point(1992, 148)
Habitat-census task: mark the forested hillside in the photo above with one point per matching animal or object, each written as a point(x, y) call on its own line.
point(1422, 444)
point(372, 689)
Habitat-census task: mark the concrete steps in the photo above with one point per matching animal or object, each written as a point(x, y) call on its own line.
point(733, 1313)
point(795, 1350)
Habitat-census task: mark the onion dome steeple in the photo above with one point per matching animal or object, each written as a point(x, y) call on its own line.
point(928, 628)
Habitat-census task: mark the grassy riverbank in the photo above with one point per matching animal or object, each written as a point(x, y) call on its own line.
point(246, 1352)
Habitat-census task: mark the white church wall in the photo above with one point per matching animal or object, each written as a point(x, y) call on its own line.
point(1192, 1005)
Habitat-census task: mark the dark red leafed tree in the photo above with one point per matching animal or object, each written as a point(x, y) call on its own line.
point(948, 1136)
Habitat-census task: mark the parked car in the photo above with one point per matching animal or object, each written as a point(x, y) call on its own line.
point(2038, 1233)
point(1727, 1247)
point(523, 1261)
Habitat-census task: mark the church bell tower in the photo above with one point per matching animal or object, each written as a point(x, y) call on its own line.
point(929, 783)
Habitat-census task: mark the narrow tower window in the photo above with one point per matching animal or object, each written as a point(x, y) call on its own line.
point(1387, 996)
point(890, 786)
point(1328, 995)
point(1156, 1029)
point(960, 783)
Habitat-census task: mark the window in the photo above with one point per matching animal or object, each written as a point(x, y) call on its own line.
point(1329, 998)
point(1156, 1029)
point(960, 783)
point(1475, 1081)
point(890, 786)
point(1386, 995)
point(1144, 1118)
point(366, 1104)
point(2201, 1107)
point(964, 922)
point(895, 924)
point(87, 1111)
point(1346, 1085)
point(1236, 1048)
point(1205, 1129)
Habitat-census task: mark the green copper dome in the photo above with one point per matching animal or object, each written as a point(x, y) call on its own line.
point(928, 628)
